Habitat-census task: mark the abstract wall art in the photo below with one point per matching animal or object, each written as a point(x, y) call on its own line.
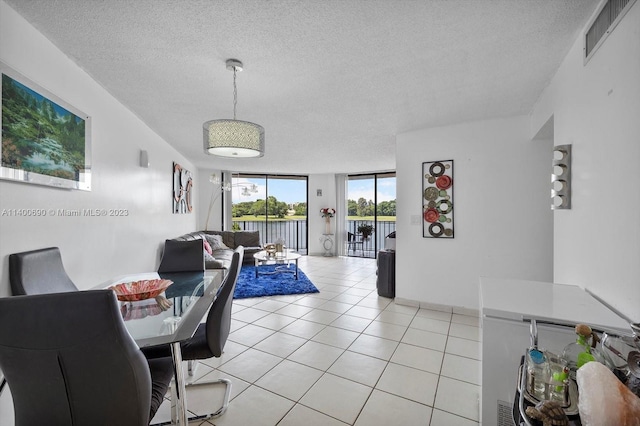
point(182, 186)
point(437, 199)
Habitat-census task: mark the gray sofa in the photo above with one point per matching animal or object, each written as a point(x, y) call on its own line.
point(250, 240)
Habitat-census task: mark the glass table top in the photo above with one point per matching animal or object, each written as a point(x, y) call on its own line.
point(175, 314)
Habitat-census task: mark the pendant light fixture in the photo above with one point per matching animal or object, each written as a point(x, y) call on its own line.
point(233, 138)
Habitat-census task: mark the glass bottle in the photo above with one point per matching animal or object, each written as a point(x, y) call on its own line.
point(577, 354)
point(582, 350)
point(537, 373)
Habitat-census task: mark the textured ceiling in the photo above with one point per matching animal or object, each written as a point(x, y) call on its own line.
point(332, 81)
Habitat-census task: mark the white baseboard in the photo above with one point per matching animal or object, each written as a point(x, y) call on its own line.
point(437, 307)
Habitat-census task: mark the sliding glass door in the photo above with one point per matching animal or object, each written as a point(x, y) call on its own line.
point(371, 212)
point(274, 205)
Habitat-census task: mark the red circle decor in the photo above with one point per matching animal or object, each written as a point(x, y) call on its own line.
point(431, 215)
point(443, 182)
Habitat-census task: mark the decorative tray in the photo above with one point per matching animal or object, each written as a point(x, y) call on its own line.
point(570, 410)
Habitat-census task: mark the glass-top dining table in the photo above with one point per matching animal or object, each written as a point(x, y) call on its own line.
point(170, 318)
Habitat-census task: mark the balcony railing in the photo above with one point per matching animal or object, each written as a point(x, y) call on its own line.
point(375, 242)
point(294, 233)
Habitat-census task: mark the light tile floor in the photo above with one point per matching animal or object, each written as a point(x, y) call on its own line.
point(344, 356)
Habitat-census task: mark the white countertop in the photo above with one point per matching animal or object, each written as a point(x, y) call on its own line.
point(558, 303)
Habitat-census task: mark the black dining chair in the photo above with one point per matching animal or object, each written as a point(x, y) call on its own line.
point(211, 336)
point(182, 256)
point(38, 272)
point(69, 360)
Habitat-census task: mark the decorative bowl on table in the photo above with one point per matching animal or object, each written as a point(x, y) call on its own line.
point(140, 290)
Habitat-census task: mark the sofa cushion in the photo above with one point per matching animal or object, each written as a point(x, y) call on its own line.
point(208, 257)
point(247, 238)
point(228, 237)
point(215, 241)
point(216, 263)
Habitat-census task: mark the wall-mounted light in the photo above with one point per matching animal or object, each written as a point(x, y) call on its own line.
point(561, 178)
point(144, 159)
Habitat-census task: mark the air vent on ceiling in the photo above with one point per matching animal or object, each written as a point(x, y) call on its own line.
point(607, 18)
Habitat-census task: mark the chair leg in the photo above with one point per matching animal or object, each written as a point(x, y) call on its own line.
point(191, 367)
point(218, 413)
point(225, 401)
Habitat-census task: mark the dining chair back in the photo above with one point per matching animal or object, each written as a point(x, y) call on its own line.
point(69, 360)
point(218, 322)
point(38, 272)
point(182, 256)
point(209, 339)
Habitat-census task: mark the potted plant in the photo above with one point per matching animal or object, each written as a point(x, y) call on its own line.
point(365, 229)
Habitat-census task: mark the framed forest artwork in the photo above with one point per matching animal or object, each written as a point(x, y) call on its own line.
point(45, 141)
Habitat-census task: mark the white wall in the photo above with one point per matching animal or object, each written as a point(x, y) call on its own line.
point(502, 216)
point(93, 248)
point(596, 108)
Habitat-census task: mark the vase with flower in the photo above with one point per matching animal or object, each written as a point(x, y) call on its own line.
point(327, 213)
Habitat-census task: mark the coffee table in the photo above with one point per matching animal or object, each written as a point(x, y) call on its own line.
point(281, 260)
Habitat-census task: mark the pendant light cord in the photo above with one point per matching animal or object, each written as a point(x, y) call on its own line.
point(235, 93)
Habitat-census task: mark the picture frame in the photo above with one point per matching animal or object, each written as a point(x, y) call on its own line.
point(45, 140)
point(437, 199)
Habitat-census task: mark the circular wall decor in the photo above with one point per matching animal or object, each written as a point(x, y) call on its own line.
point(437, 169)
point(444, 182)
point(431, 215)
point(431, 193)
point(437, 202)
point(435, 229)
point(444, 206)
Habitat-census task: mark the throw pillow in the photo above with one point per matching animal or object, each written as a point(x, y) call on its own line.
point(207, 246)
point(208, 257)
point(216, 242)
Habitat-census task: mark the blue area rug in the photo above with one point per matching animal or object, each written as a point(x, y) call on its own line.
point(271, 284)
